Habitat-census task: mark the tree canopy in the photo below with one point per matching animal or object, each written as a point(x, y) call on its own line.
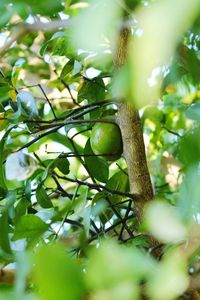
point(79, 219)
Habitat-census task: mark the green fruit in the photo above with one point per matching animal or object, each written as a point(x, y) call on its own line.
point(106, 140)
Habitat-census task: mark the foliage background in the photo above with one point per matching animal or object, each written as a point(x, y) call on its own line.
point(58, 199)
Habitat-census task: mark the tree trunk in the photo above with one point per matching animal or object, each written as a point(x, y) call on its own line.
point(132, 136)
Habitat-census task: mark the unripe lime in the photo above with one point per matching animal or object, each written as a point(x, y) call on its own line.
point(106, 140)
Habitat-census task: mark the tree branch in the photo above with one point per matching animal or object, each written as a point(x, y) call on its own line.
point(132, 135)
point(23, 28)
point(98, 187)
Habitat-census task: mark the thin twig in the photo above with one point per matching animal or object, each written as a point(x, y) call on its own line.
point(38, 138)
point(115, 211)
point(86, 109)
point(124, 223)
point(68, 88)
point(69, 122)
point(81, 160)
point(121, 169)
point(111, 227)
point(22, 29)
point(51, 107)
point(171, 131)
point(98, 187)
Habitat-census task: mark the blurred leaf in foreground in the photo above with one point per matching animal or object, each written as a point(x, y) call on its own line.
point(188, 202)
point(98, 21)
point(164, 222)
point(169, 280)
point(159, 28)
point(57, 275)
point(113, 271)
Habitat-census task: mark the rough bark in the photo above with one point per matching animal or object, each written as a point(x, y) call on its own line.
point(132, 136)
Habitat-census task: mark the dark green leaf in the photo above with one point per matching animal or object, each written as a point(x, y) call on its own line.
point(21, 209)
point(3, 187)
point(118, 182)
point(42, 197)
point(4, 229)
point(97, 166)
point(62, 164)
point(92, 90)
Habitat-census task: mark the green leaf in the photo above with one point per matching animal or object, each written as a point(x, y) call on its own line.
point(21, 209)
point(17, 68)
point(188, 200)
point(57, 275)
point(121, 264)
point(42, 197)
point(23, 269)
point(45, 45)
point(68, 67)
point(3, 186)
point(92, 90)
point(101, 207)
point(97, 21)
point(62, 164)
point(146, 71)
point(193, 112)
point(8, 294)
point(170, 229)
point(189, 147)
point(4, 229)
point(29, 226)
point(169, 278)
point(97, 166)
point(45, 7)
point(5, 16)
point(119, 182)
point(28, 104)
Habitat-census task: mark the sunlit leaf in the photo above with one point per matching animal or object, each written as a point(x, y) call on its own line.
point(29, 226)
point(98, 22)
point(121, 264)
point(169, 279)
point(158, 33)
point(28, 103)
point(57, 275)
point(188, 201)
point(164, 222)
point(189, 147)
point(54, 36)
